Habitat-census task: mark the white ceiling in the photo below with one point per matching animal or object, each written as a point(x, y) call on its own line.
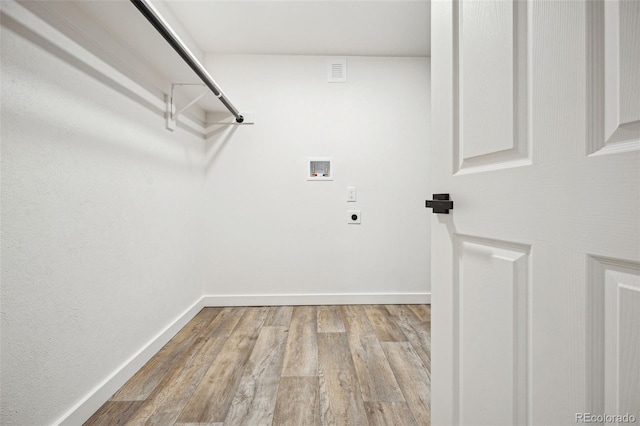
point(288, 27)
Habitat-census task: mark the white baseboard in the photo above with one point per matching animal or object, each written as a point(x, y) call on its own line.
point(317, 299)
point(80, 412)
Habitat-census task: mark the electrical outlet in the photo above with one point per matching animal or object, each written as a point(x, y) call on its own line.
point(353, 217)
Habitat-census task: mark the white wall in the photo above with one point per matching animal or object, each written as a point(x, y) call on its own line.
point(101, 226)
point(113, 228)
point(271, 232)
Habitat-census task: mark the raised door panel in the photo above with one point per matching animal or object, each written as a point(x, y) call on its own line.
point(491, 75)
point(628, 14)
point(626, 362)
point(492, 329)
point(613, 31)
point(614, 318)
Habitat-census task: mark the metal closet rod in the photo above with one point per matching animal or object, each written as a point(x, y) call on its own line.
point(146, 8)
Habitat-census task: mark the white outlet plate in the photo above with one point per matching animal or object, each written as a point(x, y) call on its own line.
point(351, 194)
point(351, 220)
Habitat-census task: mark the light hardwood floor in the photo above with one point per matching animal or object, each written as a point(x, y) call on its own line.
point(285, 365)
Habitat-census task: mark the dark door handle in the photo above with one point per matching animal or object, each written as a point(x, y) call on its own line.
point(440, 203)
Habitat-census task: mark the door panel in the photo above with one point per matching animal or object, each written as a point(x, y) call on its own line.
point(488, 107)
point(624, 369)
point(613, 29)
point(491, 68)
point(614, 317)
point(622, 67)
point(535, 116)
point(488, 271)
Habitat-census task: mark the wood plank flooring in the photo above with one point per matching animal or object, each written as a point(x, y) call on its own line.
point(286, 365)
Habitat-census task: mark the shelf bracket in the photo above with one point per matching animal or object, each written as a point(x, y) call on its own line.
point(171, 112)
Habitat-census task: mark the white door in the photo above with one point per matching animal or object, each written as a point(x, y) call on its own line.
point(536, 270)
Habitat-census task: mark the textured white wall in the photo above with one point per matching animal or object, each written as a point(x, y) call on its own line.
point(108, 220)
point(101, 227)
point(272, 232)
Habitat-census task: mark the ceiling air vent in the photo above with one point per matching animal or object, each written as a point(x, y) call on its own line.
point(337, 70)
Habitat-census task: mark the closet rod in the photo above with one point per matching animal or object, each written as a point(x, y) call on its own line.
point(146, 8)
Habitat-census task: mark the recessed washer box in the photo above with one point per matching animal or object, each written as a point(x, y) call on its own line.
point(320, 168)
